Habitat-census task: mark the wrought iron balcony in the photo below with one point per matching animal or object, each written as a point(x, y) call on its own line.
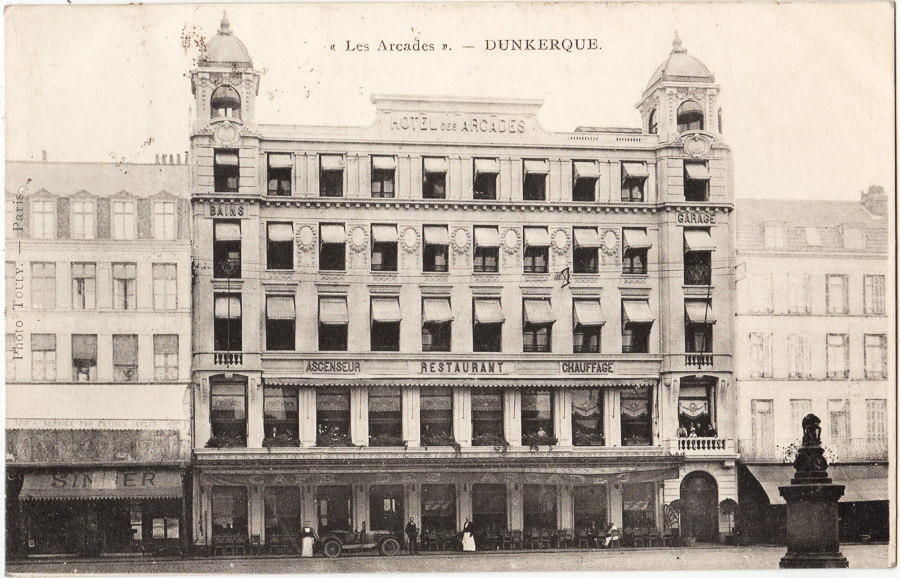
point(699, 274)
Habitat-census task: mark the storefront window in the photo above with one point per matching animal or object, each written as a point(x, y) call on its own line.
point(333, 416)
point(539, 509)
point(438, 508)
point(386, 508)
point(636, 418)
point(282, 511)
point(639, 505)
point(385, 418)
point(436, 415)
point(228, 413)
point(487, 418)
point(587, 417)
point(335, 507)
point(488, 509)
point(281, 417)
point(229, 510)
point(537, 414)
point(591, 507)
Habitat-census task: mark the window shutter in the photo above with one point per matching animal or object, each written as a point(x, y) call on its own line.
point(103, 218)
point(144, 219)
point(62, 218)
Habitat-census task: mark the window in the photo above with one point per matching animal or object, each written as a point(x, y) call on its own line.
point(385, 324)
point(637, 321)
point(281, 415)
point(227, 325)
point(385, 417)
point(698, 249)
point(537, 414)
point(334, 505)
point(165, 286)
point(635, 246)
point(585, 175)
point(225, 103)
point(854, 237)
point(332, 247)
point(487, 416)
point(125, 357)
point(761, 295)
point(634, 179)
point(439, 508)
point(653, 123)
point(384, 247)
point(333, 320)
point(123, 220)
point(229, 511)
point(226, 171)
point(383, 169)
point(836, 298)
point(487, 325)
point(876, 420)
point(774, 237)
point(279, 177)
point(690, 116)
point(585, 250)
point(635, 418)
point(43, 219)
point(587, 417)
point(332, 415)
point(83, 219)
point(164, 221)
point(538, 326)
point(798, 356)
point(84, 286)
point(43, 286)
point(228, 411)
point(282, 507)
point(165, 357)
point(760, 355)
point(227, 249)
point(696, 399)
point(43, 357)
point(280, 321)
point(436, 252)
point(280, 246)
point(489, 507)
point(799, 293)
point(590, 505)
point(434, 178)
point(837, 356)
point(124, 286)
point(537, 249)
point(639, 505)
point(331, 176)
point(813, 239)
point(873, 294)
point(839, 414)
point(437, 320)
point(800, 408)
point(539, 507)
point(696, 182)
point(534, 181)
point(876, 356)
point(588, 322)
point(698, 326)
point(84, 358)
point(487, 249)
point(436, 414)
point(762, 428)
point(486, 176)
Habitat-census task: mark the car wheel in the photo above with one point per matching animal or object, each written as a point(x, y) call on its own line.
point(332, 549)
point(390, 547)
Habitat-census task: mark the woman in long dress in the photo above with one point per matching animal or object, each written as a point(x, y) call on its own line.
point(307, 540)
point(468, 541)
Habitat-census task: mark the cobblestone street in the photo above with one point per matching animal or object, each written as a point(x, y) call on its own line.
point(671, 559)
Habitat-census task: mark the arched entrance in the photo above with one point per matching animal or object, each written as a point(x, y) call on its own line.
point(700, 507)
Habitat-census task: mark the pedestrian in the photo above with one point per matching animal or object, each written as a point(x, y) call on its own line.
point(412, 534)
point(682, 431)
point(468, 541)
point(307, 539)
point(612, 534)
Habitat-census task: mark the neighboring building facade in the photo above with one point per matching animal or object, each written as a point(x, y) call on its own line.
point(98, 348)
point(454, 313)
point(814, 325)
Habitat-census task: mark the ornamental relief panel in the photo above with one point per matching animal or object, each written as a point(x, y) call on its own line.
point(409, 240)
point(511, 240)
point(358, 237)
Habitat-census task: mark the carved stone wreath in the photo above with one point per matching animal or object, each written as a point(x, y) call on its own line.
point(696, 144)
point(511, 241)
point(460, 241)
point(560, 241)
point(409, 240)
point(227, 132)
point(306, 238)
point(610, 240)
point(358, 239)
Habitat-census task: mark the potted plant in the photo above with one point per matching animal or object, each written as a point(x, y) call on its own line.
point(333, 439)
point(489, 439)
point(385, 440)
point(441, 439)
point(535, 440)
point(685, 534)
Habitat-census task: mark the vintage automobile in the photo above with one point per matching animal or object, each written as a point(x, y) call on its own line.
point(333, 543)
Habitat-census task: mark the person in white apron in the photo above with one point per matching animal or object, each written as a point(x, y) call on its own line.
point(307, 540)
point(468, 541)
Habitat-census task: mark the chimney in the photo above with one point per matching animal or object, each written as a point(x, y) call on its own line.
point(44, 155)
point(171, 159)
point(157, 159)
point(178, 159)
point(874, 201)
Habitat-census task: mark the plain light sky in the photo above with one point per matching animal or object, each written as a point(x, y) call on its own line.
point(807, 89)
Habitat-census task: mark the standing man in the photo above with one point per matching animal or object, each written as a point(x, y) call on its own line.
point(412, 534)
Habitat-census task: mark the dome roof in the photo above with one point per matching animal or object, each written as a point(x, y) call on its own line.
point(225, 48)
point(681, 66)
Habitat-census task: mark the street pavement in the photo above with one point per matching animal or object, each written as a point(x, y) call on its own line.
point(670, 559)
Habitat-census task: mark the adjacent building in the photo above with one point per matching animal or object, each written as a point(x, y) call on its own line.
point(814, 335)
point(98, 296)
point(454, 312)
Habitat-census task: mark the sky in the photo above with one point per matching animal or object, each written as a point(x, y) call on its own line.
point(807, 89)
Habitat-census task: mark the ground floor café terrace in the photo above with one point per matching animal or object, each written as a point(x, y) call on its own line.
point(267, 500)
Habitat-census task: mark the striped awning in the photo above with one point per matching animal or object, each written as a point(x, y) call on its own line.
point(102, 484)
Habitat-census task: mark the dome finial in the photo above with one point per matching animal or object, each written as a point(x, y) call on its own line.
point(676, 44)
point(225, 26)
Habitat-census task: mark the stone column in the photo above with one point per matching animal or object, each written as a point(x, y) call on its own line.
point(462, 416)
point(615, 503)
point(463, 503)
point(512, 417)
point(307, 417)
point(359, 416)
point(566, 507)
point(410, 412)
point(255, 432)
point(516, 518)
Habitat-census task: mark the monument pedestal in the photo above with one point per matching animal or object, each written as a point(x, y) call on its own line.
point(812, 524)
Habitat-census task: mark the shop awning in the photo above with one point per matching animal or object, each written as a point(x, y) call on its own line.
point(280, 161)
point(226, 158)
point(435, 165)
point(332, 162)
point(101, 484)
point(333, 234)
point(280, 307)
point(487, 166)
point(586, 238)
point(384, 233)
point(436, 310)
point(637, 312)
point(537, 237)
point(862, 483)
point(487, 237)
point(384, 163)
point(699, 312)
point(696, 171)
point(541, 167)
point(227, 231)
point(698, 240)
point(386, 310)
point(281, 232)
point(436, 235)
point(488, 311)
point(635, 170)
point(636, 239)
point(586, 170)
point(588, 313)
point(333, 311)
point(469, 374)
point(538, 312)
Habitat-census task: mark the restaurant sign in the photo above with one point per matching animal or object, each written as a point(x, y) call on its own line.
point(447, 367)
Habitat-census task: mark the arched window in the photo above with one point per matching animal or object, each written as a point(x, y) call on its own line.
point(653, 123)
point(225, 102)
point(720, 120)
point(690, 116)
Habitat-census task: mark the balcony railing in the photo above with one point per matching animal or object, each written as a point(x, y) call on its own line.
point(697, 275)
point(704, 446)
point(228, 358)
point(783, 450)
point(698, 360)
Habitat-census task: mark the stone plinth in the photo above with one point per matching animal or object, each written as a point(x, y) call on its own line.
point(812, 526)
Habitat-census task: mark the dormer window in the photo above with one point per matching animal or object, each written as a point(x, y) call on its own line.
point(690, 116)
point(225, 103)
point(854, 238)
point(774, 237)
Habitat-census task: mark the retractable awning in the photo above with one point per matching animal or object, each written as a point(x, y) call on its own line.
point(384, 163)
point(280, 307)
point(586, 170)
point(586, 238)
point(537, 237)
point(487, 237)
point(436, 235)
point(435, 165)
point(227, 231)
point(386, 310)
point(280, 161)
point(539, 167)
point(588, 313)
point(281, 232)
point(488, 311)
point(862, 483)
point(696, 171)
point(637, 312)
point(384, 233)
point(332, 162)
point(635, 170)
point(334, 234)
point(698, 240)
point(699, 312)
point(226, 158)
point(228, 307)
point(102, 484)
point(436, 310)
point(538, 312)
point(487, 166)
point(333, 311)
point(636, 239)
